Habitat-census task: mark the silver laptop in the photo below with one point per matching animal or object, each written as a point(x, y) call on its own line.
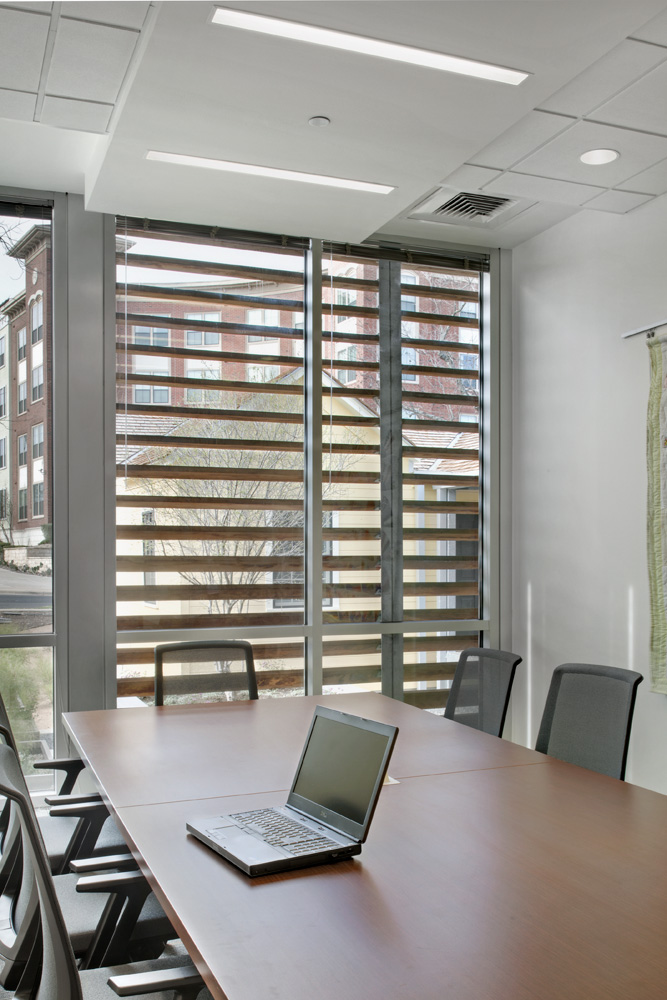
point(329, 807)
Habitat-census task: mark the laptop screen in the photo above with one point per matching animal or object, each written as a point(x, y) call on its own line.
point(342, 768)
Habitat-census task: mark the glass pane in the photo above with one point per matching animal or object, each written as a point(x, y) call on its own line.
point(351, 440)
point(279, 667)
point(25, 426)
point(26, 683)
point(429, 663)
point(351, 664)
point(440, 353)
point(210, 436)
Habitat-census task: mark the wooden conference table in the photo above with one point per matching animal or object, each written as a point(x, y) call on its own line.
point(491, 872)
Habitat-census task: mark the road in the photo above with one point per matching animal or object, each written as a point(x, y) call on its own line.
point(23, 591)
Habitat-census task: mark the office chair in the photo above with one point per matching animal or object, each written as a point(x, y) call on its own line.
point(79, 826)
point(481, 687)
point(222, 677)
point(38, 962)
point(588, 715)
point(119, 919)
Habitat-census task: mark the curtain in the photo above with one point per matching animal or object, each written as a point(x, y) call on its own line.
point(656, 450)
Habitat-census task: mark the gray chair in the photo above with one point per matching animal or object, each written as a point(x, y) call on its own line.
point(224, 668)
point(37, 958)
point(481, 688)
point(79, 826)
point(588, 715)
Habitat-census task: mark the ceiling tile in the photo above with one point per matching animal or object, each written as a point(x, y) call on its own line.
point(654, 31)
point(89, 60)
point(471, 177)
point(609, 75)
point(128, 14)
point(521, 139)
point(651, 181)
point(83, 116)
point(542, 189)
point(618, 202)
point(642, 105)
point(17, 104)
point(560, 157)
point(23, 37)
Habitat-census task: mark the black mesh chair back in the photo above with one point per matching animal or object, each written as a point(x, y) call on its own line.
point(191, 672)
point(588, 715)
point(481, 687)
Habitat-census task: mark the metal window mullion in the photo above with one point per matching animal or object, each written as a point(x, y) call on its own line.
point(313, 468)
point(391, 473)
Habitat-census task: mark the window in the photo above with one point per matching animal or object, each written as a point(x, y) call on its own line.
point(36, 321)
point(409, 304)
point(23, 397)
point(2, 352)
point(408, 358)
point(3, 401)
point(261, 317)
point(3, 453)
point(346, 375)
point(4, 511)
point(23, 449)
point(151, 336)
point(293, 548)
point(262, 373)
point(206, 338)
point(38, 499)
point(23, 505)
point(151, 365)
point(37, 383)
point(201, 368)
point(22, 343)
point(38, 441)
point(150, 578)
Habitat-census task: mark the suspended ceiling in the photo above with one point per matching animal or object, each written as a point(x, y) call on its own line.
point(86, 89)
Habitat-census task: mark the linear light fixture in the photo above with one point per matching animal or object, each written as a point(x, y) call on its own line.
point(231, 166)
point(366, 46)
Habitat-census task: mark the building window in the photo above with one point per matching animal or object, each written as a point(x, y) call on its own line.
point(36, 321)
point(23, 397)
point(3, 401)
point(3, 453)
point(22, 343)
point(38, 499)
point(37, 383)
point(23, 449)
point(207, 338)
point(150, 577)
point(23, 505)
point(151, 336)
point(151, 394)
point(201, 368)
point(3, 504)
point(2, 352)
point(261, 317)
point(38, 441)
point(346, 375)
point(408, 359)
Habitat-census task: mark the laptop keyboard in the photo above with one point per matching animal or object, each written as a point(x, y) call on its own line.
point(279, 831)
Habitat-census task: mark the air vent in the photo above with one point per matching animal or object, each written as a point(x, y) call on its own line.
point(471, 206)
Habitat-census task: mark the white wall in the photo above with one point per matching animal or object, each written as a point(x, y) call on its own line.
point(580, 586)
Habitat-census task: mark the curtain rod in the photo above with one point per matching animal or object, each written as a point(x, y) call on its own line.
point(650, 330)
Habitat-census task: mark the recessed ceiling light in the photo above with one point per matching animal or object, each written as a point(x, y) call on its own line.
point(596, 157)
point(251, 168)
point(319, 121)
point(366, 46)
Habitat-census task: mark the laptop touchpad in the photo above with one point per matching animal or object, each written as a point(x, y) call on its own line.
point(243, 845)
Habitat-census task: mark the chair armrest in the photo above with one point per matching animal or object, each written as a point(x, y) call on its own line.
point(92, 816)
point(140, 983)
point(114, 882)
point(87, 809)
point(107, 862)
point(65, 800)
point(72, 766)
point(128, 892)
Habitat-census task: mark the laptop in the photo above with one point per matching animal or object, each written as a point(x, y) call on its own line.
point(328, 810)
